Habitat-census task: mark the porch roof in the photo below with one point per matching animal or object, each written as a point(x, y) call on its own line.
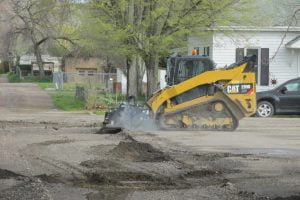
point(294, 43)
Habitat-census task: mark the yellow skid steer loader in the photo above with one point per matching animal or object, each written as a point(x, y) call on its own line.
point(198, 97)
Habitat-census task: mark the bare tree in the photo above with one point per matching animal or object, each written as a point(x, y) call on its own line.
point(291, 21)
point(39, 21)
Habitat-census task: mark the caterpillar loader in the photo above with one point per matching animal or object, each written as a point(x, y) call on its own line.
point(198, 97)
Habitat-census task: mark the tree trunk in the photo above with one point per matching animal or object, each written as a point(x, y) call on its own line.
point(140, 73)
point(152, 75)
point(39, 59)
point(132, 88)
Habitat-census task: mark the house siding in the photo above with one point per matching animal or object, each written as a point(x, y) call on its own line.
point(72, 65)
point(282, 68)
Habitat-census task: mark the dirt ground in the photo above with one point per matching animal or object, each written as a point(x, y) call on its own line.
point(49, 154)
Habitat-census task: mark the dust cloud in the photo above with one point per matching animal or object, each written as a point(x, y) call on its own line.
point(133, 118)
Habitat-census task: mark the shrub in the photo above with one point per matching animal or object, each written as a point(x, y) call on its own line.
point(4, 67)
point(13, 78)
point(38, 79)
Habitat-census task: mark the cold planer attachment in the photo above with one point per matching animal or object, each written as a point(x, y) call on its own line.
point(129, 115)
point(198, 97)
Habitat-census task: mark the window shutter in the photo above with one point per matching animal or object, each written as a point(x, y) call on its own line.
point(265, 65)
point(239, 54)
point(206, 51)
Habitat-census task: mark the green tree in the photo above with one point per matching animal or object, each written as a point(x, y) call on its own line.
point(148, 29)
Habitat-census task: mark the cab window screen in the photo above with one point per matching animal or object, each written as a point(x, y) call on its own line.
point(189, 68)
point(171, 71)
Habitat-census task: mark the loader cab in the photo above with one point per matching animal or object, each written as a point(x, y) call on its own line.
point(180, 69)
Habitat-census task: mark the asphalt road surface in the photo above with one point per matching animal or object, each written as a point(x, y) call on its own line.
point(49, 154)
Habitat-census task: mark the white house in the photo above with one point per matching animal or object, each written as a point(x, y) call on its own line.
point(122, 79)
point(277, 50)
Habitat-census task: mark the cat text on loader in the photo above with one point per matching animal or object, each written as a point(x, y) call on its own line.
point(197, 97)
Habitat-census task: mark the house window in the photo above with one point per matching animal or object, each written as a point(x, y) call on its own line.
point(204, 51)
point(87, 72)
point(81, 73)
point(91, 72)
point(261, 64)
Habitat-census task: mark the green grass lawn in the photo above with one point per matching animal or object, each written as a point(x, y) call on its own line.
point(66, 101)
point(45, 85)
point(67, 86)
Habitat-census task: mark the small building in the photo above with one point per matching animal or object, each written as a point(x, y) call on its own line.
point(277, 50)
point(84, 66)
point(28, 65)
point(95, 70)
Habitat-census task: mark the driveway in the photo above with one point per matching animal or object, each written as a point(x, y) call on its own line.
point(3, 78)
point(19, 97)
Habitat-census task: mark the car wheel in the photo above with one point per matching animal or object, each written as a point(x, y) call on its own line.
point(265, 109)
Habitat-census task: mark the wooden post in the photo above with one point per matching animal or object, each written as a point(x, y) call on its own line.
point(80, 93)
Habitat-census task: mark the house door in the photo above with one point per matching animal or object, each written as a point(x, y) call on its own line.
point(255, 52)
point(262, 63)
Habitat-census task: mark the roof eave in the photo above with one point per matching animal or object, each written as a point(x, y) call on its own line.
point(255, 29)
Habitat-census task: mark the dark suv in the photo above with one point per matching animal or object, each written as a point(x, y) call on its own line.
point(284, 99)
